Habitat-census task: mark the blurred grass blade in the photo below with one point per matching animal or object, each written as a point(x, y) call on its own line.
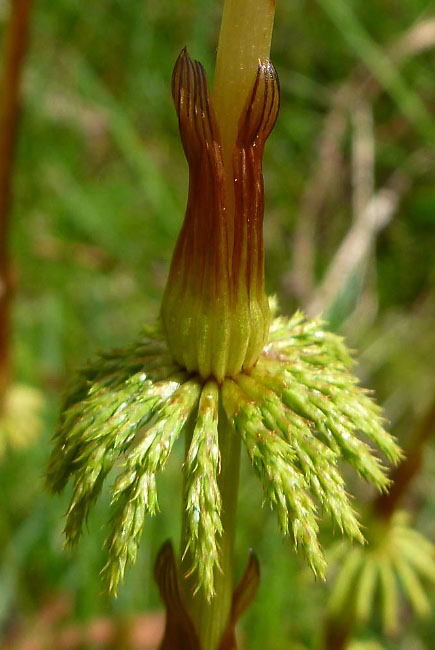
point(366, 588)
point(158, 191)
point(412, 587)
point(382, 68)
point(344, 582)
point(389, 595)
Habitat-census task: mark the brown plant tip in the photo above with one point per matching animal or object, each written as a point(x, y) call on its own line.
point(179, 632)
point(215, 313)
point(243, 596)
point(255, 126)
point(196, 262)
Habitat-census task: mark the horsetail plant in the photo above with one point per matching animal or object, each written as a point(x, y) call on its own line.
point(220, 368)
point(396, 565)
point(395, 559)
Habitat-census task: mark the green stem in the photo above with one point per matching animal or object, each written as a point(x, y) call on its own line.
point(211, 618)
point(244, 41)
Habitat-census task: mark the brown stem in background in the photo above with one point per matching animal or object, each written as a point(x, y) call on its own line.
point(404, 473)
point(337, 633)
point(15, 48)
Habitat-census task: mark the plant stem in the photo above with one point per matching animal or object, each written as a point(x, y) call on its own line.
point(211, 618)
point(337, 633)
point(401, 477)
point(244, 41)
point(15, 49)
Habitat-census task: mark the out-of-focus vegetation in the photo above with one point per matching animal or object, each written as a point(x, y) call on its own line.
point(99, 193)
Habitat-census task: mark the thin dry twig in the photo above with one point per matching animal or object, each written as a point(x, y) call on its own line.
point(360, 86)
point(356, 246)
point(420, 37)
point(363, 158)
point(300, 281)
point(358, 242)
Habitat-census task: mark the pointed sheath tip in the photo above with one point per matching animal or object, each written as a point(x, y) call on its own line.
point(180, 633)
point(243, 596)
point(182, 57)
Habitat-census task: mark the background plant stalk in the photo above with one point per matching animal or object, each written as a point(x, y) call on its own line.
point(244, 40)
point(211, 618)
point(385, 504)
point(15, 49)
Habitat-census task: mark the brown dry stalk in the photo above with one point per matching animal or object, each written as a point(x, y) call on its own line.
point(337, 632)
point(403, 474)
point(15, 48)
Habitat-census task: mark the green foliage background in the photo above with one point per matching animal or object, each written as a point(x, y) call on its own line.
point(100, 188)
